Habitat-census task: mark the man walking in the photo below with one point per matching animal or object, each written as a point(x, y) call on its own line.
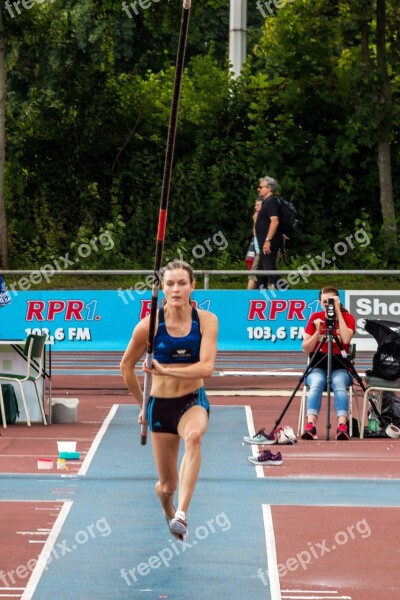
point(269, 237)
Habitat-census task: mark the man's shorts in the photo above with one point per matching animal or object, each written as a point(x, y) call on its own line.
point(254, 267)
point(164, 414)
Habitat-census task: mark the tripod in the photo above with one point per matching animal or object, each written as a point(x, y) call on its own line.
point(347, 363)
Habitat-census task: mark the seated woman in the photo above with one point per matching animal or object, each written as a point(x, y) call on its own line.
point(344, 328)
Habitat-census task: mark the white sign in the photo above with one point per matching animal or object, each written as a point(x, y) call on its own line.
point(371, 305)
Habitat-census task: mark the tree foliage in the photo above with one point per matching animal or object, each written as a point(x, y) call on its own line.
point(88, 101)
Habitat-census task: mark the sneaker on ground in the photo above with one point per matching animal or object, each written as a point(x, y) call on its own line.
point(342, 433)
point(266, 458)
point(310, 432)
point(261, 438)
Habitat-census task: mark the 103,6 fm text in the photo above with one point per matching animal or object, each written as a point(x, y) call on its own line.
point(61, 333)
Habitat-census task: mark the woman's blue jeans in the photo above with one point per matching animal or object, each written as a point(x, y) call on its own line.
point(316, 381)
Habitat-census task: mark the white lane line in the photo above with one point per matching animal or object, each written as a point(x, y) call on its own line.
point(32, 532)
point(250, 420)
point(5, 500)
point(280, 373)
point(273, 574)
point(315, 597)
point(46, 552)
point(264, 393)
point(254, 447)
point(96, 442)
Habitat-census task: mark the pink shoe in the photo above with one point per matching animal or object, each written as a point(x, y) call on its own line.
point(342, 432)
point(310, 432)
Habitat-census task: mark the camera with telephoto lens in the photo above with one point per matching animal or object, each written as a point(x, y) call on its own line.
point(330, 313)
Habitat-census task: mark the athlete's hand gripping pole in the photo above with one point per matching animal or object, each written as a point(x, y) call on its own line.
point(146, 396)
point(162, 219)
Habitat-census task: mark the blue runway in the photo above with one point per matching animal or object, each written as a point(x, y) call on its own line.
point(114, 543)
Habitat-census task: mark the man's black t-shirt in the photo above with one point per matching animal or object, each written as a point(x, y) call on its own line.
point(269, 208)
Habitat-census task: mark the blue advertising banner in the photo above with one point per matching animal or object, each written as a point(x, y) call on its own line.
point(92, 320)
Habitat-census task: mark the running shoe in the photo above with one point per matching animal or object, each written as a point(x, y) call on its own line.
point(179, 528)
point(342, 432)
point(261, 438)
point(310, 432)
point(176, 535)
point(266, 458)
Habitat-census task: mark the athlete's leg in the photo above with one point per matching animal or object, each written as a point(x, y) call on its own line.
point(191, 429)
point(165, 450)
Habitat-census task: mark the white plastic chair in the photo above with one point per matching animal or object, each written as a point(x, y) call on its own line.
point(34, 354)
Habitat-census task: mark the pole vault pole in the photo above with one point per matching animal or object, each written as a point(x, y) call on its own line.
point(162, 219)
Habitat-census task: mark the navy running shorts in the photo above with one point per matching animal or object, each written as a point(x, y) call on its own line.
point(164, 414)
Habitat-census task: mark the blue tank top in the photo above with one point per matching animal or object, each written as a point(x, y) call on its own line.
point(169, 349)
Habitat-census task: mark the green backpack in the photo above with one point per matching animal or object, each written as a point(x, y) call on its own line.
point(11, 407)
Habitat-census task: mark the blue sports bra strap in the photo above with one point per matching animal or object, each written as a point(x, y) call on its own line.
point(195, 315)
